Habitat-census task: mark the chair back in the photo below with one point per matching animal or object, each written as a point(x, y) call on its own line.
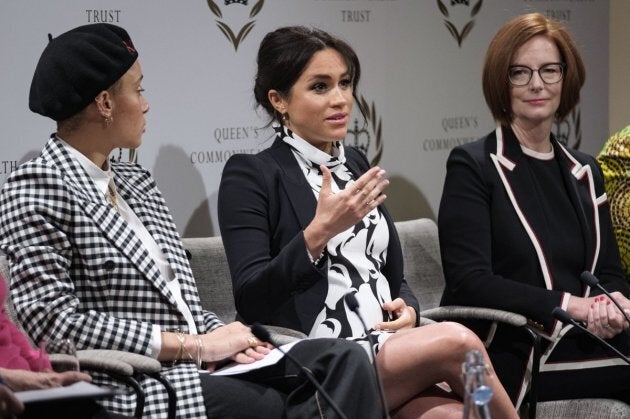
point(423, 264)
point(5, 273)
point(212, 275)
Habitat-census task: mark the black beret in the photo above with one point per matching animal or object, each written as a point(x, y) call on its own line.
point(76, 66)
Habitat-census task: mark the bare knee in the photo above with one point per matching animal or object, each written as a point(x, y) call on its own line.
point(460, 339)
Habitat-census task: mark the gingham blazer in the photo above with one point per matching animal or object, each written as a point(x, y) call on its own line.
point(79, 271)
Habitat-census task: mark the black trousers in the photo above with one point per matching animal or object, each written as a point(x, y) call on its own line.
point(342, 368)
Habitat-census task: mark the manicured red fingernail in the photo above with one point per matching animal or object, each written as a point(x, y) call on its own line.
point(607, 302)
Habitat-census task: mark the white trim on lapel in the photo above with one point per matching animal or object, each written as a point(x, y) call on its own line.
point(500, 160)
point(579, 171)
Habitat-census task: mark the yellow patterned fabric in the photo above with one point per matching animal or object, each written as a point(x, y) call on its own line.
point(615, 162)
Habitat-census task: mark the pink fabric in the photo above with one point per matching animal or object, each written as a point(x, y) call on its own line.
point(16, 351)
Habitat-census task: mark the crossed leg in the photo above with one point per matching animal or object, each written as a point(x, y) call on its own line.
point(412, 361)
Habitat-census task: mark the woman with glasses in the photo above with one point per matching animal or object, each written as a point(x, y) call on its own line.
point(522, 217)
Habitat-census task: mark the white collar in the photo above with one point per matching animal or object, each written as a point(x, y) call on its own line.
point(100, 177)
point(549, 155)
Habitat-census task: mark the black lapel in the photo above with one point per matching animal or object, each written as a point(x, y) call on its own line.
point(578, 183)
point(298, 191)
point(522, 185)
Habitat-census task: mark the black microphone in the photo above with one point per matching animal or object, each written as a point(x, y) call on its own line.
point(564, 317)
point(592, 281)
point(263, 335)
point(353, 305)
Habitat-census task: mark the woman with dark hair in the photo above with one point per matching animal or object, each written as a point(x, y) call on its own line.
point(303, 224)
point(522, 217)
point(95, 256)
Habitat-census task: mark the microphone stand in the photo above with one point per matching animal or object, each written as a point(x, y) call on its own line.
point(353, 305)
point(263, 335)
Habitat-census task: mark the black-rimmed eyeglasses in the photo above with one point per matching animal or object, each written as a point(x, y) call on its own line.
point(521, 75)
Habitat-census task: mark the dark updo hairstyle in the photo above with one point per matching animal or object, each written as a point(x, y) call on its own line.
point(284, 54)
point(515, 33)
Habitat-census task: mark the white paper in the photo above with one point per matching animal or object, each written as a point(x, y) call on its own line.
point(81, 389)
point(272, 358)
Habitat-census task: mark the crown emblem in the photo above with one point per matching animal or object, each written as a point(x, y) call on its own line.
point(235, 36)
point(361, 137)
point(456, 33)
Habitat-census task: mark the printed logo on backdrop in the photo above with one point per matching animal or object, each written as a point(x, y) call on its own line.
point(457, 130)
point(244, 139)
point(465, 21)
point(234, 19)
point(367, 136)
point(569, 131)
point(7, 166)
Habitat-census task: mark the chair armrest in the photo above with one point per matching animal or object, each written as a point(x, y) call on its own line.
point(104, 358)
point(425, 320)
point(475, 313)
point(283, 335)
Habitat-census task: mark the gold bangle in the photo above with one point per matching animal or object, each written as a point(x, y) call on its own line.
point(188, 354)
point(199, 343)
point(181, 338)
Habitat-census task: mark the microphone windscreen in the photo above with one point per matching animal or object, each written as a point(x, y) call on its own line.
point(261, 333)
point(351, 300)
point(589, 279)
point(561, 315)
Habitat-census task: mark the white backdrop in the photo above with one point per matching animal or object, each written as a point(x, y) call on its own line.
point(421, 62)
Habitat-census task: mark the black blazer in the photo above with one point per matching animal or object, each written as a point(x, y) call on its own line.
point(493, 234)
point(264, 205)
point(493, 239)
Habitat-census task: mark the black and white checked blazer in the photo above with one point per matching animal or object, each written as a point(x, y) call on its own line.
point(79, 271)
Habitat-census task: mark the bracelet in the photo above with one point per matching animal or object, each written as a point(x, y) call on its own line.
point(188, 354)
point(181, 338)
point(199, 343)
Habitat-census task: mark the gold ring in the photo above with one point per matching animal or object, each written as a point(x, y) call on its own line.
point(252, 341)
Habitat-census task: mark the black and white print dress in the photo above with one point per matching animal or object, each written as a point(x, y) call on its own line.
point(354, 257)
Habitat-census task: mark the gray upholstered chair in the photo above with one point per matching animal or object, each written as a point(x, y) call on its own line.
point(423, 271)
point(214, 283)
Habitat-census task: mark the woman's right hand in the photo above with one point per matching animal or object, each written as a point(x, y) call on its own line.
point(336, 212)
point(233, 341)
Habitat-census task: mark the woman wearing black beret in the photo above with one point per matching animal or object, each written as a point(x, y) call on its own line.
point(95, 256)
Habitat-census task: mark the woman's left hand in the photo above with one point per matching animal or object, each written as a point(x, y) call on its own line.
point(404, 316)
